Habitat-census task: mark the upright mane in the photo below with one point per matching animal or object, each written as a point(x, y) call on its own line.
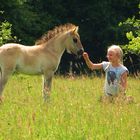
point(54, 32)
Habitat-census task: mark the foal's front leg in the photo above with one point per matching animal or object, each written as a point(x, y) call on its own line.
point(47, 87)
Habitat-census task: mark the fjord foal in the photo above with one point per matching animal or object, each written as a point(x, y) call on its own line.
point(42, 58)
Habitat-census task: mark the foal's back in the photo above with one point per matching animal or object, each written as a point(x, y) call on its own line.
point(19, 57)
point(13, 50)
point(9, 51)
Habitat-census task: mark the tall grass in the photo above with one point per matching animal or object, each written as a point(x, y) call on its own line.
point(73, 113)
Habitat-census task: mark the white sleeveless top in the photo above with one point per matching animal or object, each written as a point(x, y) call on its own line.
point(112, 78)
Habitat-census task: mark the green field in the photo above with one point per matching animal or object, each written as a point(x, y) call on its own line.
point(73, 113)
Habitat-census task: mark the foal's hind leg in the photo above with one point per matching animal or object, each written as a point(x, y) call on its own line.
point(4, 76)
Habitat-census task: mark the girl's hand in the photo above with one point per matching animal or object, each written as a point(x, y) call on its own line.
point(85, 56)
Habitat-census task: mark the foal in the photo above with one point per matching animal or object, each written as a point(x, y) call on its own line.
point(42, 58)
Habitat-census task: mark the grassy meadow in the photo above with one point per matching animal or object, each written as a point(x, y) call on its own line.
point(73, 113)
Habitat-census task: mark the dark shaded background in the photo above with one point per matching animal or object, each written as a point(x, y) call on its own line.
point(97, 20)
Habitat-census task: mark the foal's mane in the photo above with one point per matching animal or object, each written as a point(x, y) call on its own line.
point(54, 32)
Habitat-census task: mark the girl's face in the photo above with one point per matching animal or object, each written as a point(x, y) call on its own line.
point(112, 56)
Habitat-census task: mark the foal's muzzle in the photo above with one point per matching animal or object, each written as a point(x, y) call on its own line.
point(80, 52)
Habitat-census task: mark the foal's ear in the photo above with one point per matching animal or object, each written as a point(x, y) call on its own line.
point(76, 29)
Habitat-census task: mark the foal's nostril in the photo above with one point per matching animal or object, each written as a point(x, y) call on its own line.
point(80, 52)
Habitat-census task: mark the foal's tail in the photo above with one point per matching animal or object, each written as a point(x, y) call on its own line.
point(0, 83)
point(0, 73)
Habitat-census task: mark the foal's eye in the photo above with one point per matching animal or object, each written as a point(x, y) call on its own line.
point(75, 40)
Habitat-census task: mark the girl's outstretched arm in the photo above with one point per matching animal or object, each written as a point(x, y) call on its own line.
point(90, 64)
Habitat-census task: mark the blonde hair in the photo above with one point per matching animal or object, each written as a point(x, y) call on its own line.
point(117, 49)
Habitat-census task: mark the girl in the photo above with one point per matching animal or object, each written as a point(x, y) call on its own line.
point(115, 72)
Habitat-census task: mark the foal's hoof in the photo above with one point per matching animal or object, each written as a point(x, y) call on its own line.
point(47, 99)
point(1, 99)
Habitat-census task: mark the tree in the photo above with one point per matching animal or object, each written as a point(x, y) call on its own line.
point(133, 36)
point(132, 48)
point(5, 32)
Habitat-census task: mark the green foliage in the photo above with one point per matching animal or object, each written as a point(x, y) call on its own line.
point(131, 28)
point(133, 35)
point(134, 44)
point(5, 32)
